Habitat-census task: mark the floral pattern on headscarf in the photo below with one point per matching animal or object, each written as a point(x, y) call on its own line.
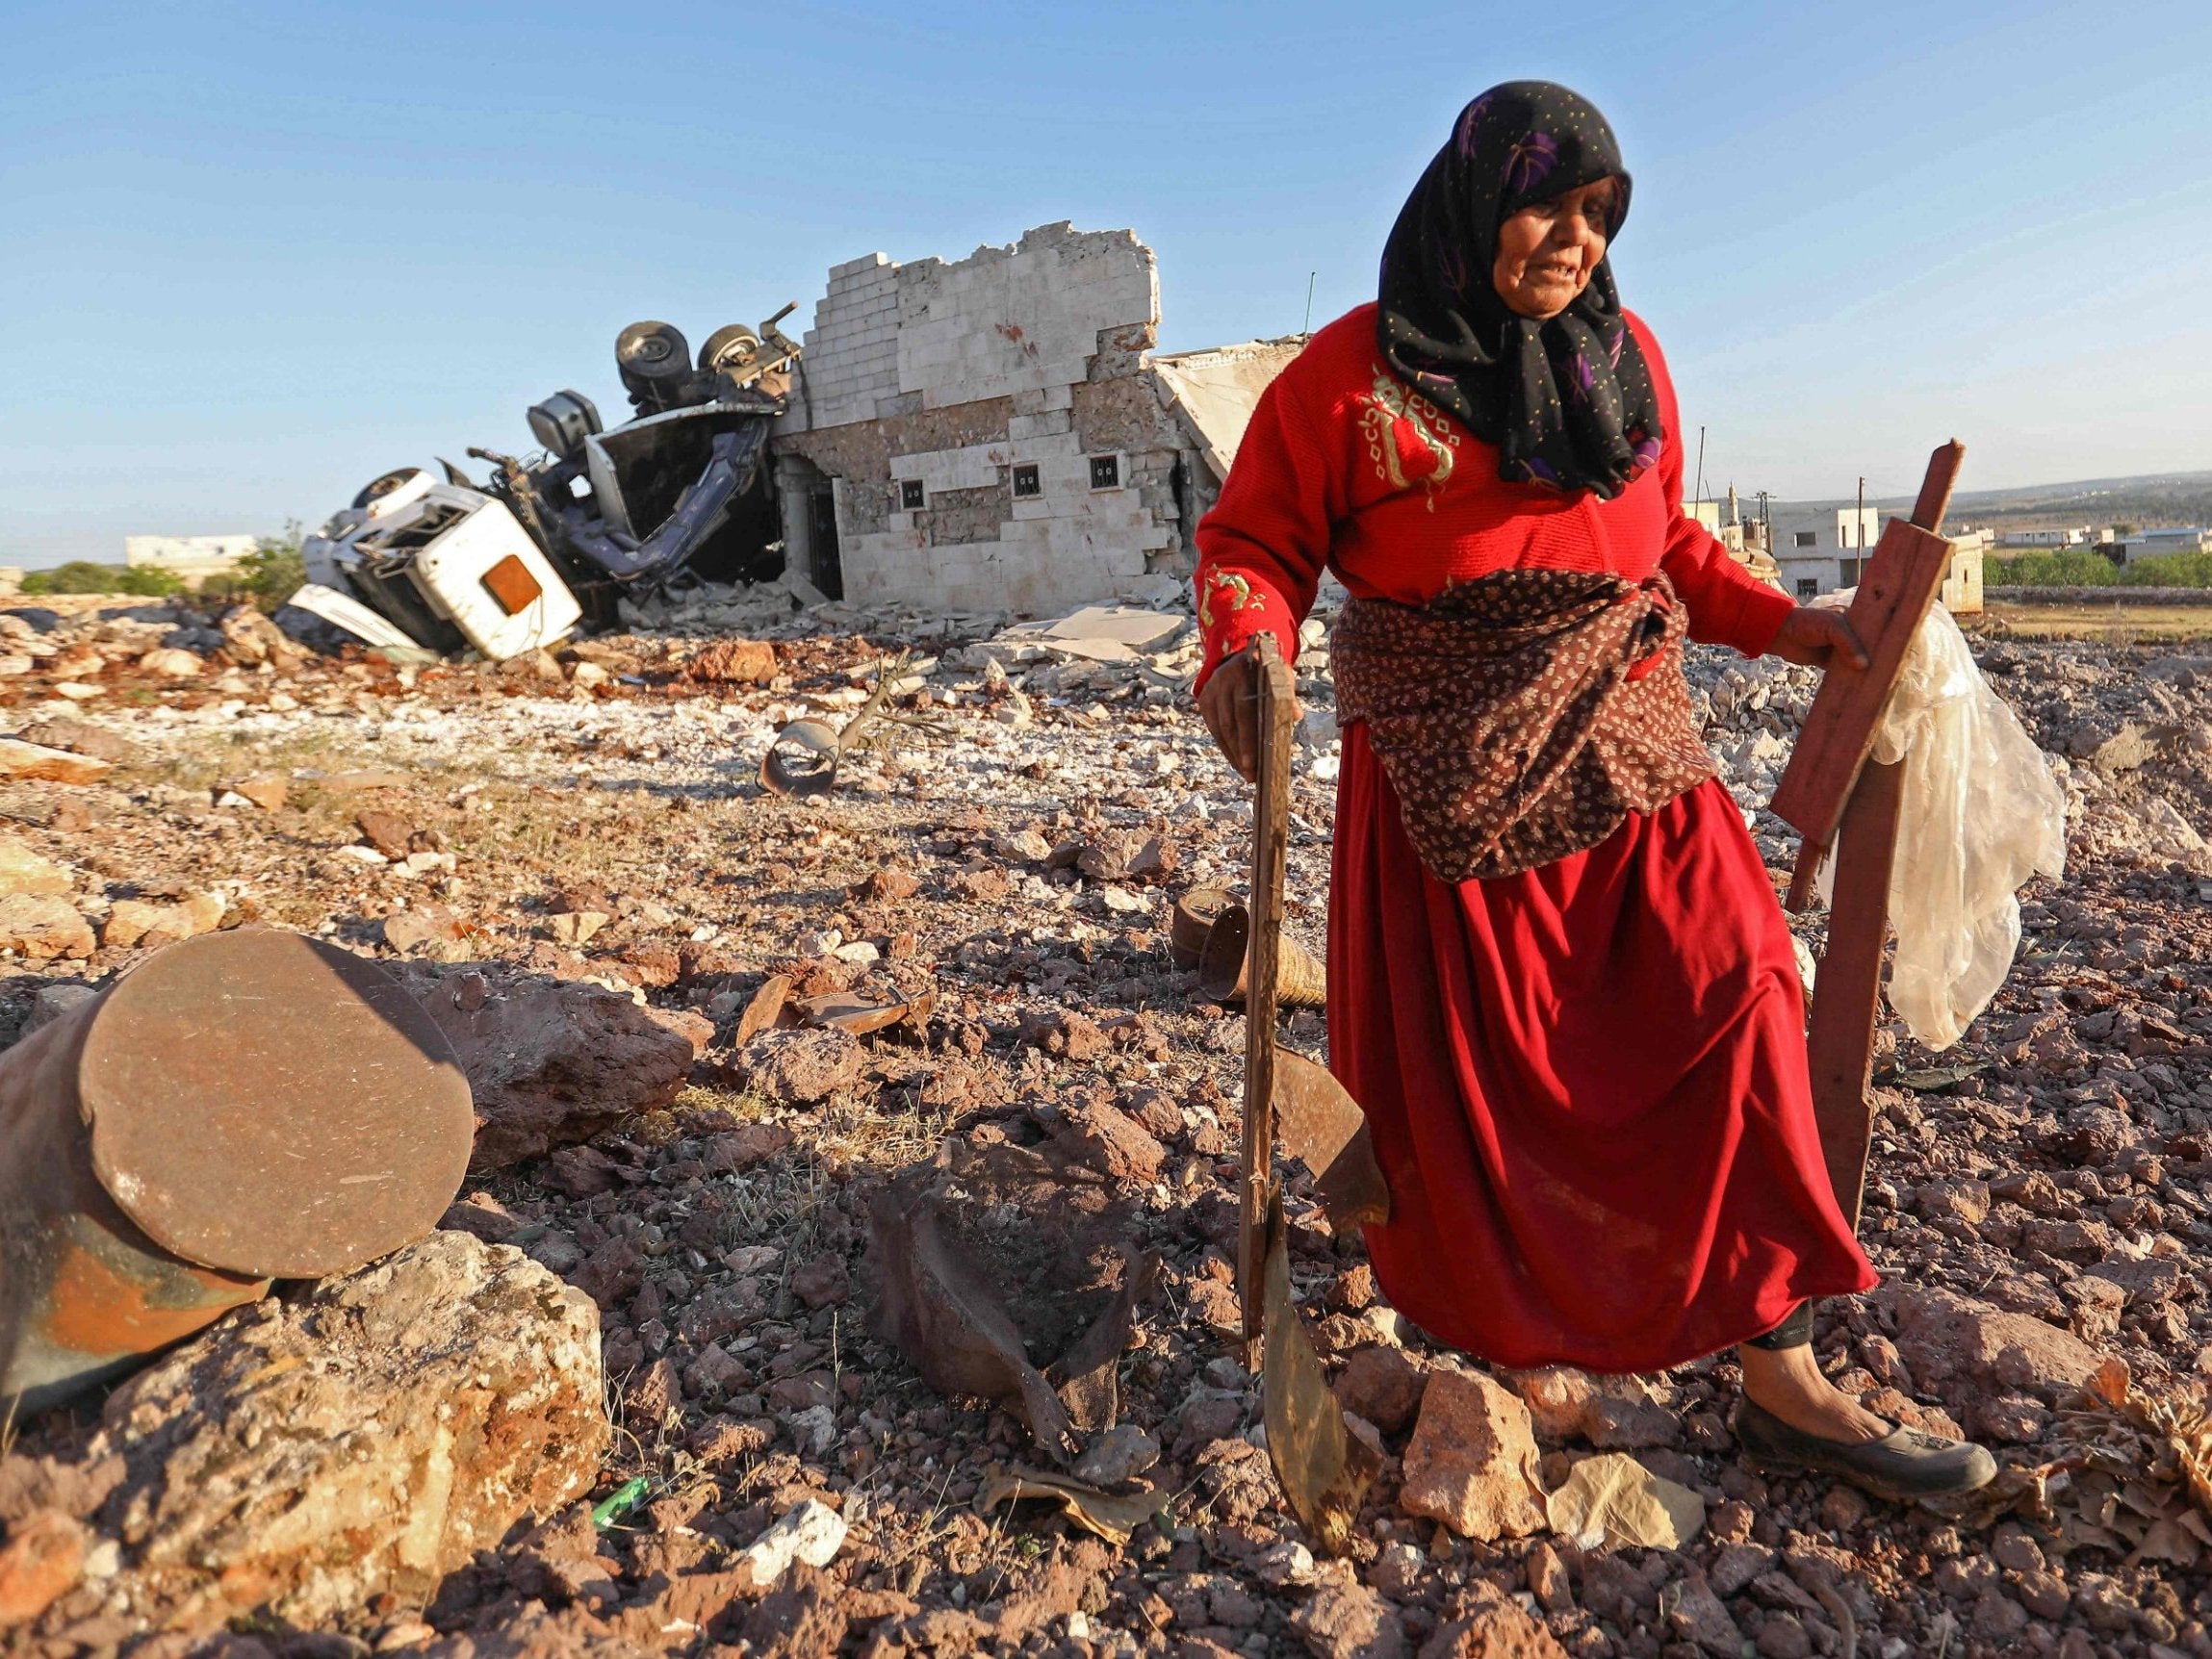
point(1568, 401)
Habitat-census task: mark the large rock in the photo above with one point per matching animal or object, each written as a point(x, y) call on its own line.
point(34, 763)
point(1472, 1462)
point(1966, 1350)
point(250, 639)
point(137, 922)
point(550, 1061)
point(364, 1440)
point(39, 927)
point(801, 1067)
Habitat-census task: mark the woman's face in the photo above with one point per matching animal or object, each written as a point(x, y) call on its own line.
point(1548, 250)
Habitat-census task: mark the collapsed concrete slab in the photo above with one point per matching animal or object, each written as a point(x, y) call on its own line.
point(996, 434)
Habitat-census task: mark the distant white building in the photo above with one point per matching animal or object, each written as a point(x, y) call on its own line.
point(2077, 537)
point(1819, 552)
point(188, 558)
point(2153, 543)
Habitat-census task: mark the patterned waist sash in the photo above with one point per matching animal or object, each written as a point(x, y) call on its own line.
point(1521, 716)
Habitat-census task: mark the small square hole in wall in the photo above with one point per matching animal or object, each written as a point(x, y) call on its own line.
point(909, 495)
point(1105, 471)
point(1025, 483)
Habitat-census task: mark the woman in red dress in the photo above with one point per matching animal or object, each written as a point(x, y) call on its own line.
point(1559, 983)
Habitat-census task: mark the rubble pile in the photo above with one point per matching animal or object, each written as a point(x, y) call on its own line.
point(726, 1045)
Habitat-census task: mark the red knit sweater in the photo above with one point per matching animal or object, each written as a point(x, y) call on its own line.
point(1345, 467)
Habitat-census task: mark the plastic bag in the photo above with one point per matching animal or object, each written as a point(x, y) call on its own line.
point(1981, 814)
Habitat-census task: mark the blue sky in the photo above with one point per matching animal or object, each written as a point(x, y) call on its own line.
point(256, 254)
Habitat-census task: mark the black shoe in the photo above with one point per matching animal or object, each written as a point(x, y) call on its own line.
point(1903, 1465)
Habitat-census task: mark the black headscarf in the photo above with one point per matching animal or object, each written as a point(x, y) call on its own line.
point(1568, 401)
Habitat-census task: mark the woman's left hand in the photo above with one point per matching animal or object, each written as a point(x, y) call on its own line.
point(1818, 638)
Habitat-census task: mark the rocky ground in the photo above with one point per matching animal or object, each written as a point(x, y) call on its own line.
point(641, 956)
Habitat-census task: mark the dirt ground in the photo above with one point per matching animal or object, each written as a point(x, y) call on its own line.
point(594, 815)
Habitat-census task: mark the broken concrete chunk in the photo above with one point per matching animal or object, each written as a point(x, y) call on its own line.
point(427, 923)
point(171, 663)
point(1116, 1456)
point(575, 927)
point(1472, 1462)
point(1064, 1034)
point(267, 790)
point(364, 1440)
point(812, 1533)
point(1111, 1143)
point(1347, 1620)
point(1383, 1384)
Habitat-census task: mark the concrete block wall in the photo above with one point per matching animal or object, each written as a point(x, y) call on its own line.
point(1026, 323)
point(852, 353)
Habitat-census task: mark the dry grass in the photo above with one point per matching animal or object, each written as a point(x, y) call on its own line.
point(2107, 623)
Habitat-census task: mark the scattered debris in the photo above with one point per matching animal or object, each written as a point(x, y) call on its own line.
point(448, 566)
point(1611, 1499)
point(1302, 980)
point(2052, 1186)
point(1110, 1516)
point(804, 756)
point(812, 1533)
point(986, 1255)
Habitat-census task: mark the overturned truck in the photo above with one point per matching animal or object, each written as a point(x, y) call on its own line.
point(675, 494)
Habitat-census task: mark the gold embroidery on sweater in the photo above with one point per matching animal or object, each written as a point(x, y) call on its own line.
point(1238, 592)
point(1391, 403)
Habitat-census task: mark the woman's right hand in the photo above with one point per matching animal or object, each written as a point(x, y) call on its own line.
point(1232, 713)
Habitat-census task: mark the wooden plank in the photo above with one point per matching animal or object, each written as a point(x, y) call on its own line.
point(1898, 586)
point(1848, 995)
point(1274, 691)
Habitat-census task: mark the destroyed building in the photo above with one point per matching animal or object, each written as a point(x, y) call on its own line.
point(998, 433)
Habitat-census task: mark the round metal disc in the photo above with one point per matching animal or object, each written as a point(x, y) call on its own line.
point(271, 1105)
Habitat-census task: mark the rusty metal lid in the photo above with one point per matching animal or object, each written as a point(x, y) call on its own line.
point(274, 1106)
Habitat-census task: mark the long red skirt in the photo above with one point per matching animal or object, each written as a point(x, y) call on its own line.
point(1586, 1086)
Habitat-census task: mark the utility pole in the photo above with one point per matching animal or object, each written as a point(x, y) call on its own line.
point(1701, 465)
point(1307, 326)
point(1859, 525)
